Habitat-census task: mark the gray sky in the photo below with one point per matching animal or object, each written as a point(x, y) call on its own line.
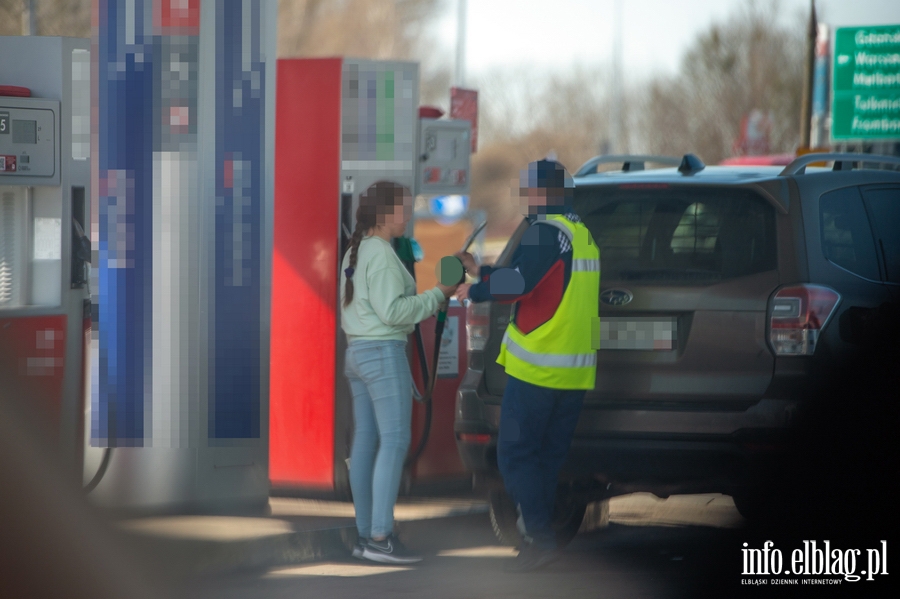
point(656, 33)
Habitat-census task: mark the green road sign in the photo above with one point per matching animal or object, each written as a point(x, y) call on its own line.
point(865, 83)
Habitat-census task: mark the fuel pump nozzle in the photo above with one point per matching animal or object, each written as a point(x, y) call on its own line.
point(444, 307)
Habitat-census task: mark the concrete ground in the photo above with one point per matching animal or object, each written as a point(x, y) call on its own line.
point(302, 531)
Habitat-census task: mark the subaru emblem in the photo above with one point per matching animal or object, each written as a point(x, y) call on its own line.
point(616, 297)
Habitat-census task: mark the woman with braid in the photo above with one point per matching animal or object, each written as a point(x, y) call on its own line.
point(379, 309)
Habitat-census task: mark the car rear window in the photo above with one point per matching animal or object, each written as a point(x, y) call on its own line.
point(679, 235)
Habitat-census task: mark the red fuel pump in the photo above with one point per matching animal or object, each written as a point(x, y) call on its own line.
point(341, 125)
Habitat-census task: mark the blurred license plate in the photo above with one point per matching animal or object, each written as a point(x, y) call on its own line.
point(639, 333)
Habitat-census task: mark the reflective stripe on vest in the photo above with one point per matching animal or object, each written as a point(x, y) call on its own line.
point(551, 360)
point(583, 265)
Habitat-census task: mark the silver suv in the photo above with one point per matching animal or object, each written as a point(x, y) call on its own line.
point(725, 293)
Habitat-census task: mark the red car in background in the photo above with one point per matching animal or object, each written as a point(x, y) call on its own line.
point(764, 160)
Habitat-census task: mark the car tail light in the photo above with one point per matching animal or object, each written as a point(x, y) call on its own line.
point(799, 313)
point(478, 325)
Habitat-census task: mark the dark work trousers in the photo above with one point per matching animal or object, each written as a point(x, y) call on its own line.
point(536, 428)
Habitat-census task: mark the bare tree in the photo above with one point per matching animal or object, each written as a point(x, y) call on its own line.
point(380, 29)
point(64, 17)
point(376, 29)
point(751, 61)
point(11, 17)
point(53, 17)
point(525, 114)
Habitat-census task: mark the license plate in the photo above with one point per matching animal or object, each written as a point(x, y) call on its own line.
point(645, 333)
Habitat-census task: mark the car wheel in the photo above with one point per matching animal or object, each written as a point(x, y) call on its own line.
point(756, 506)
point(568, 515)
point(504, 515)
point(747, 505)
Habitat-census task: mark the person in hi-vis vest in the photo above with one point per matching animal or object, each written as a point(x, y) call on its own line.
point(554, 281)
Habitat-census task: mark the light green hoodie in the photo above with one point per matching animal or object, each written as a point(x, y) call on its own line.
point(384, 304)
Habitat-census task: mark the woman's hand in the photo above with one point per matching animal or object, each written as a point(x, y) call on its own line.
point(463, 292)
point(447, 291)
point(468, 262)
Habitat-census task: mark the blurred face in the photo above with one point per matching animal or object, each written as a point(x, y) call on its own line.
point(532, 199)
point(395, 222)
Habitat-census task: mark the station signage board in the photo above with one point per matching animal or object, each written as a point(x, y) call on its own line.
point(866, 83)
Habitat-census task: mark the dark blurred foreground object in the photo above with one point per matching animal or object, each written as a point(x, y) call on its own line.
point(876, 329)
point(839, 477)
point(52, 543)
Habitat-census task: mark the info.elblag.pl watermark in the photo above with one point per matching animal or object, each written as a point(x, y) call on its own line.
point(813, 564)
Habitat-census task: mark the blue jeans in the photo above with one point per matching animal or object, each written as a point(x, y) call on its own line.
point(536, 428)
point(381, 384)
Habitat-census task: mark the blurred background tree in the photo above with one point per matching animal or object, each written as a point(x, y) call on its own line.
point(753, 61)
point(376, 29)
point(750, 62)
point(52, 17)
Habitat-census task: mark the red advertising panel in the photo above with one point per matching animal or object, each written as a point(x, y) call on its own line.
point(464, 106)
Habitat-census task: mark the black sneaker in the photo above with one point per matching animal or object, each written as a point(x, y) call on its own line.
point(531, 557)
point(359, 547)
point(389, 551)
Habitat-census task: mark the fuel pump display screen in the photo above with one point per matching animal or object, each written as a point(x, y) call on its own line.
point(24, 132)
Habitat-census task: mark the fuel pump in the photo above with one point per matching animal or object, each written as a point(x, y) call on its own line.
point(341, 125)
point(44, 248)
point(181, 123)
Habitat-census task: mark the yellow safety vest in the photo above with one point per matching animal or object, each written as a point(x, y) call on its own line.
point(559, 353)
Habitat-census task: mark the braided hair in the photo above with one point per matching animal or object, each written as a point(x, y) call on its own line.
point(378, 199)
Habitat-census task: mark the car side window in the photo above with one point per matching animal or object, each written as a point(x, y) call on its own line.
point(846, 236)
point(884, 208)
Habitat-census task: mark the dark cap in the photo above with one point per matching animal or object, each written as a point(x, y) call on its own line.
point(546, 174)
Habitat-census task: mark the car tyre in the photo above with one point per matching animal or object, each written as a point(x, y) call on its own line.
point(758, 506)
point(504, 515)
point(567, 517)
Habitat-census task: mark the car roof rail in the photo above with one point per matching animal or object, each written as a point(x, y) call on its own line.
point(629, 162)
point(843, 161)
point(690, 164)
